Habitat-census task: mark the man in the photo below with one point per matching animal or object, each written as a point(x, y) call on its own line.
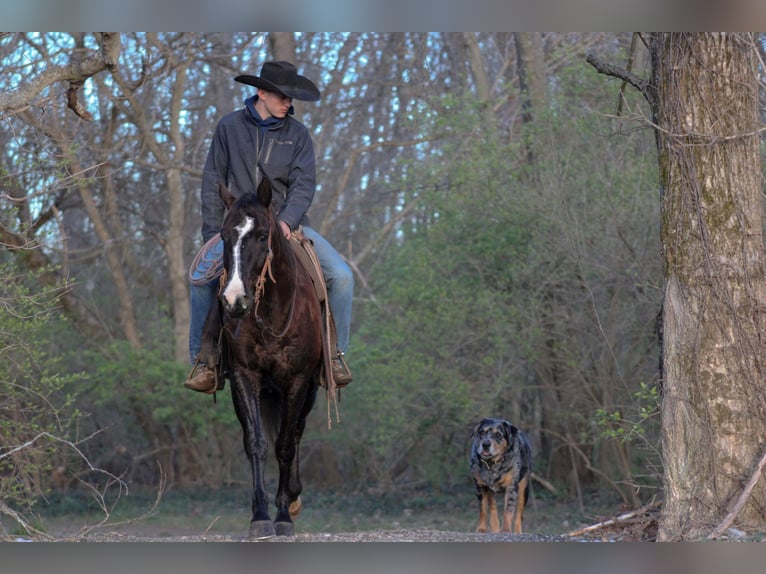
point(264, 138)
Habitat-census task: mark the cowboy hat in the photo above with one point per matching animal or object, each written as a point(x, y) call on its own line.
point(282, 78)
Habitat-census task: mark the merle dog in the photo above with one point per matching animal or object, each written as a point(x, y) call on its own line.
point(501, 461)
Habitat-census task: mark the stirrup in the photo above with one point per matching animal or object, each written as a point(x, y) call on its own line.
point(209, 387)
point(341, 373)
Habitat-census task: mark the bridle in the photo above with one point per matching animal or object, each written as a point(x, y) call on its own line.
point(260, 287)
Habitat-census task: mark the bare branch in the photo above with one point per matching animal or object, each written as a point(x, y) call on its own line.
point(616, 521)
point(741, 501)
point(70, 444)
point(75, 72)
point(18, 519)
point(607, 69)
point(101, 500)
point(73, 104)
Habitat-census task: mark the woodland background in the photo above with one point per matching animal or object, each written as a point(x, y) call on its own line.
point(496, 197)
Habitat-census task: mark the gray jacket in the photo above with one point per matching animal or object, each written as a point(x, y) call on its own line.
point(286, 157)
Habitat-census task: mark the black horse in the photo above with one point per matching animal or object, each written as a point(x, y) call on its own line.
point(272, 348)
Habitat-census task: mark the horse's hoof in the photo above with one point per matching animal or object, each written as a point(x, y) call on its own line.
point(284, 528)
point(261, 530)
point(295, 508)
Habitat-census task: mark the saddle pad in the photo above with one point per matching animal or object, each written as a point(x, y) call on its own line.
point(304, 250)
point(208, 263)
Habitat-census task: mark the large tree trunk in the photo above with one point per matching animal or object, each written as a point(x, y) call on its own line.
point(174, 243)
point(476, 63)
point(713, 415)
point(532, 83)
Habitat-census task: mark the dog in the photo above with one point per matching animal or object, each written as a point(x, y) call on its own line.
point(501, 461)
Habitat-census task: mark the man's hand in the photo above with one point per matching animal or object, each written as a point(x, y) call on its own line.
point(285, 229)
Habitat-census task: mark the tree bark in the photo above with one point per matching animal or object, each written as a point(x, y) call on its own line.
point(476, 63)
point(174, 244)
point(283, 46)
point(532, 84)
point(713, 412)
point(531, 68)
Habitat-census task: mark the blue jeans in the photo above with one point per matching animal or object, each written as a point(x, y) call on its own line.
point(201, 299)
point(340, 284)
point(340, 291)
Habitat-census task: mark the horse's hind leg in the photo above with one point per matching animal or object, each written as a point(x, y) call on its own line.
point(256, 447)
point(288, 491)
point(295, 507)
point(295, 487)
point(294, 490)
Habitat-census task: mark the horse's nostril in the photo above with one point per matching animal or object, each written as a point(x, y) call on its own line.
point(238, 306)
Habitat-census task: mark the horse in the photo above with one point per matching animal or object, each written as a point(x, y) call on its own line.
point(271, 347)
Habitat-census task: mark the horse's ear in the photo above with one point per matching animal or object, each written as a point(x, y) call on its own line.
point(264, 191)
point(225, 194)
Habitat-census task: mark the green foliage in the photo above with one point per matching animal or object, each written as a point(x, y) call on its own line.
point(646, 408)
point(432, 355)
point(518, 285)
point(36, 414)
point(138, 402)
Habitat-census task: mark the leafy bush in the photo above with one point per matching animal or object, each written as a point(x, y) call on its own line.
point(36, 415)
point(150, 428)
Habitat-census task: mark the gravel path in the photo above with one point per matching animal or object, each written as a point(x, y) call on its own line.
point(404, 535)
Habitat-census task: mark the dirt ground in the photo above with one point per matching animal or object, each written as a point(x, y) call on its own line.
point(404, 535)
point(640, 526)
point(320, 523)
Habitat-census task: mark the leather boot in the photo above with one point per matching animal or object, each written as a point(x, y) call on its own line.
point(203, 381)
point(340, 371)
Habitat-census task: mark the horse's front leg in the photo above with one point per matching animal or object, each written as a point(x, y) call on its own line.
point(247, 407)
point(295, 409)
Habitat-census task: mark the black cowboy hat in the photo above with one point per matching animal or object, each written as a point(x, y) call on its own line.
point(282, 78)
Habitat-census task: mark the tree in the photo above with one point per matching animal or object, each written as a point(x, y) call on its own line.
point(714, 408)
point(20, 236)
point(704, 97)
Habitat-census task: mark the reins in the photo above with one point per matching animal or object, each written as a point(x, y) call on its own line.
point(260, 287)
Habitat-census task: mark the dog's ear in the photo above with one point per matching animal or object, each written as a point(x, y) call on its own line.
point(480, 424)
point(510, 431)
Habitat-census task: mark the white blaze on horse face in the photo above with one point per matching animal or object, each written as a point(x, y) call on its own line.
point(236, 286)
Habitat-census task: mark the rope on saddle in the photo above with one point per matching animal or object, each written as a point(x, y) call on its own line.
point(208, 263)
point(304, 249)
